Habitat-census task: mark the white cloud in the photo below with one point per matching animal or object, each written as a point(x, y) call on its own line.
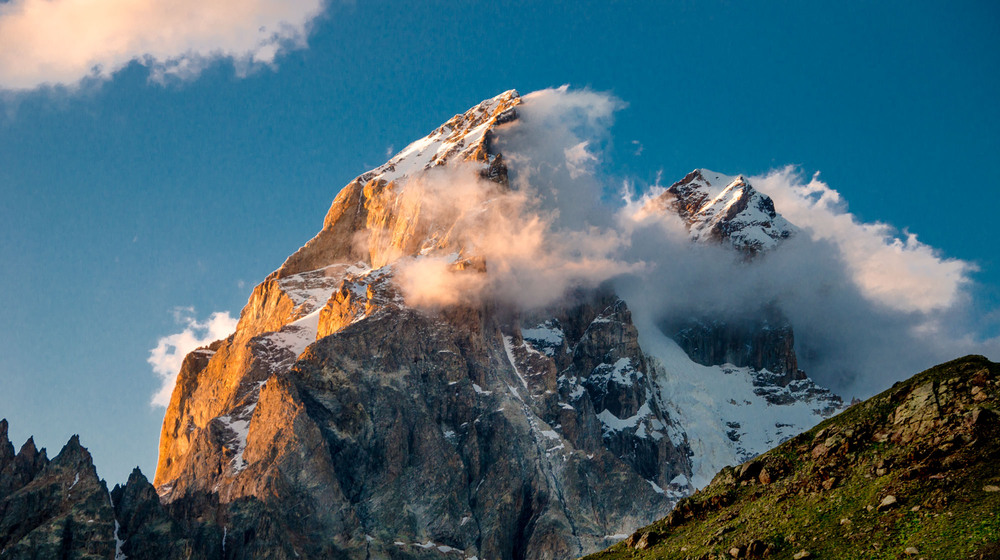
point(64, 42)
point(868, 307)
point(899, 272)
point(526, 258)
point(638, 148)
point(579, 160)
point(535, 241)
point(555, 149)
point(170, 350)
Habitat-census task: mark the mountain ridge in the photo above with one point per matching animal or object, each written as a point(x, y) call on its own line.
point(910, 472)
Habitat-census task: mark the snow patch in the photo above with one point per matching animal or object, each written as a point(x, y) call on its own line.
point(119, 555)
point(613, 423)
point(238, 424)
point(456, 140)
point(480, 390)
point(508, 346)
point(546, 337)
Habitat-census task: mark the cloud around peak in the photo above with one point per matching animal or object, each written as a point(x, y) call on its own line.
point(869, 304)
point(67, 42)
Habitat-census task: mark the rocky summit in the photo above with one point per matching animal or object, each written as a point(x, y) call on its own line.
point(347, 418)
point(911, 473)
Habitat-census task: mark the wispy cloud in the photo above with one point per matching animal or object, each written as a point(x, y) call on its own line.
point(170, 350)
point(65, 42)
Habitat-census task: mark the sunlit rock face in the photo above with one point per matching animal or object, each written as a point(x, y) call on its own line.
point(364, 226)
point(341, 420)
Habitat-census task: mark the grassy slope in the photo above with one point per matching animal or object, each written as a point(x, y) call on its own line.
point(932, 441)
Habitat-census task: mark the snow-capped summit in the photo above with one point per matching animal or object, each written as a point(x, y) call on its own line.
point(463, 138)
point(717, 206)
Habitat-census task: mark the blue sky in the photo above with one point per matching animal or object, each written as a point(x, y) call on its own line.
point(127, 196)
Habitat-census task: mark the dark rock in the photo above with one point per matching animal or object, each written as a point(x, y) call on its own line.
point(756, 549)
point(646, 541)
point(55, 509)
point(763, 340)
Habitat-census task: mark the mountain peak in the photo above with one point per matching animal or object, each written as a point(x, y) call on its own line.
point(368, 204)
point(463, 138)
point(335, 393)
point(724, 207)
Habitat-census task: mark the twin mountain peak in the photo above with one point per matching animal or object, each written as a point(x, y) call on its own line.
point(338, 421)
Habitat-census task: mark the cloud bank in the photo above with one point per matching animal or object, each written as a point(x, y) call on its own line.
point(900, 273)
point(65, 42)
point(170, 350)
point(499, 244)
point(869, 306)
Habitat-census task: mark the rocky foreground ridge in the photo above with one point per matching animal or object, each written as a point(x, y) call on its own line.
point(913, 472)
point(340, 421)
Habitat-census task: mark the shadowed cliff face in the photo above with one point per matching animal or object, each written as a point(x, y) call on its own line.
point(762, 341)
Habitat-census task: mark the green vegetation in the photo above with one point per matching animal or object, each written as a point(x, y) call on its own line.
point(913, 472)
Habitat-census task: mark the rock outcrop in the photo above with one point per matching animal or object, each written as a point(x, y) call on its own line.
point(723, 208)
point(764, 341)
